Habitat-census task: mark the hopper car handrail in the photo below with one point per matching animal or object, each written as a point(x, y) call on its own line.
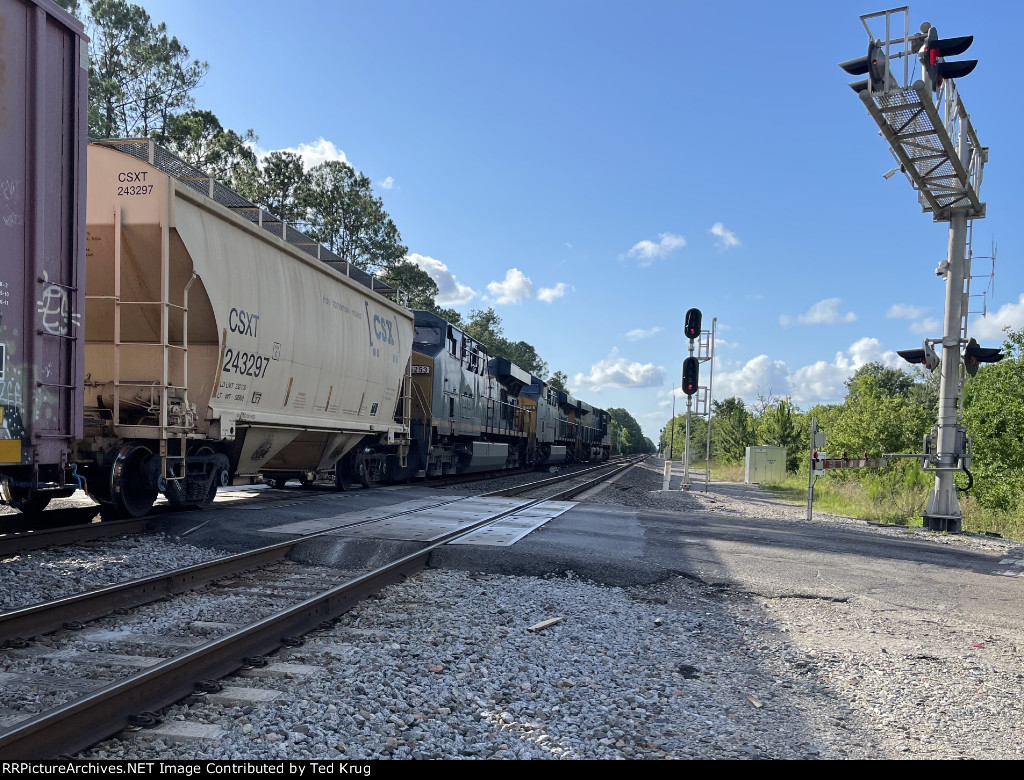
point(172, 165)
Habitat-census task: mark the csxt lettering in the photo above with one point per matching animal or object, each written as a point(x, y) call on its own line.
point(382, 329)
point(241, 321)
point(130, 176)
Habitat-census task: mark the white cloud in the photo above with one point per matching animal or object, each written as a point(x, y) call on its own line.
point(990, 328)
point(549, 294)
point(824, 312)
point(450, 291)
point(823, 382)
point(869, 350)
point(904, 311)
point(315, 153)
point(929, 325)
point(616, 371)
point(513, 289)
point(641, 333)
point(646, 252)
point(820, 382)
point(387, 184)
point(726, 238)
point(758, 375)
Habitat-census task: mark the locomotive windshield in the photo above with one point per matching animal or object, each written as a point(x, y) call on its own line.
point(427, 335)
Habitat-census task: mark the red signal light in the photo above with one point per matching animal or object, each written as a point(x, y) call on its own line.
point(690, 374)
point(691, 326)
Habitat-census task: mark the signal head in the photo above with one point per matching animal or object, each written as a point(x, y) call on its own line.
point(691, 325)
point(914, 356)
point(875, 65)
point(691, 370)
point(975, 355)
point(933, 53)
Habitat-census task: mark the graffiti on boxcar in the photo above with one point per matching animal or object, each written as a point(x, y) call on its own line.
point(11, 426)
point(10, 393)
point(9, 194)
point(56, 310)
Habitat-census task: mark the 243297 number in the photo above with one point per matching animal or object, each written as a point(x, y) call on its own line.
point(135, 189)
point(245, 363)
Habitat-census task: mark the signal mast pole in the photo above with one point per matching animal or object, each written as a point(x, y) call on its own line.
point(943, 510)
point(930, 135)
point(686, 447)
point(691, 371)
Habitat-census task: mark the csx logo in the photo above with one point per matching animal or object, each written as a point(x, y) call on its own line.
point(382, 330)
point(240, 321)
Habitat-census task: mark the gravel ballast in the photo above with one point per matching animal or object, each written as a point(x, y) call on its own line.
point(446, 665)
point(44, 575)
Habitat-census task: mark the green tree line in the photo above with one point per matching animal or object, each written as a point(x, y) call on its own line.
point(885, 411)
point(141, 85)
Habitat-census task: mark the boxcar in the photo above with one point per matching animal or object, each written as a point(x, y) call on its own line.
point(43, 105)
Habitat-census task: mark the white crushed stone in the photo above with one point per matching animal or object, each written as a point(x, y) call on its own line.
point(41, 575)
point(444, 666)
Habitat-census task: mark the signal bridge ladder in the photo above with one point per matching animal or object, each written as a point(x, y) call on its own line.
point(702, 401)
point(703, 353)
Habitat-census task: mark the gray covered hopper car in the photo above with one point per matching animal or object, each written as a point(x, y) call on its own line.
point(218, 346)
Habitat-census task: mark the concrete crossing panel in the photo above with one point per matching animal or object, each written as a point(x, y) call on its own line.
point(511, 529)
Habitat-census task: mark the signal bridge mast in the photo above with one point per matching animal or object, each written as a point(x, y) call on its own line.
point(705, 343)
point(930, 134)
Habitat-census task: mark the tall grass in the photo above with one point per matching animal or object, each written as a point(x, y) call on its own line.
point(897, 494)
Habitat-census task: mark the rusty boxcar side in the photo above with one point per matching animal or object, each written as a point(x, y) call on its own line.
point(43, 129)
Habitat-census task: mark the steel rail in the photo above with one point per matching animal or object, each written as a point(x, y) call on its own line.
point(75, 726)
point(49, 616)
point(14, 542)
point(577, 489)
point(573, 491)
point(514, 491)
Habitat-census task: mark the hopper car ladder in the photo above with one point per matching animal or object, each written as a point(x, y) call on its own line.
point(171, 380)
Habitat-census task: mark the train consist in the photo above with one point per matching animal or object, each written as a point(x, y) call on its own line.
point(161, 334)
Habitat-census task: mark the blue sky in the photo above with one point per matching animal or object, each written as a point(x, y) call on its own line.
point(594, 169)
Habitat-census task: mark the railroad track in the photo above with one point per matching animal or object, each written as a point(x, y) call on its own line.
point(80, 524)
point(83, 712)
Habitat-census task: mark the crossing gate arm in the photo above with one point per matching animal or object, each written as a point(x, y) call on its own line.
point(831, 464)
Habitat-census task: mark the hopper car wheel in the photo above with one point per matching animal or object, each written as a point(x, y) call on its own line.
point(368, 474)
point(132, 487)
point(176, 492)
